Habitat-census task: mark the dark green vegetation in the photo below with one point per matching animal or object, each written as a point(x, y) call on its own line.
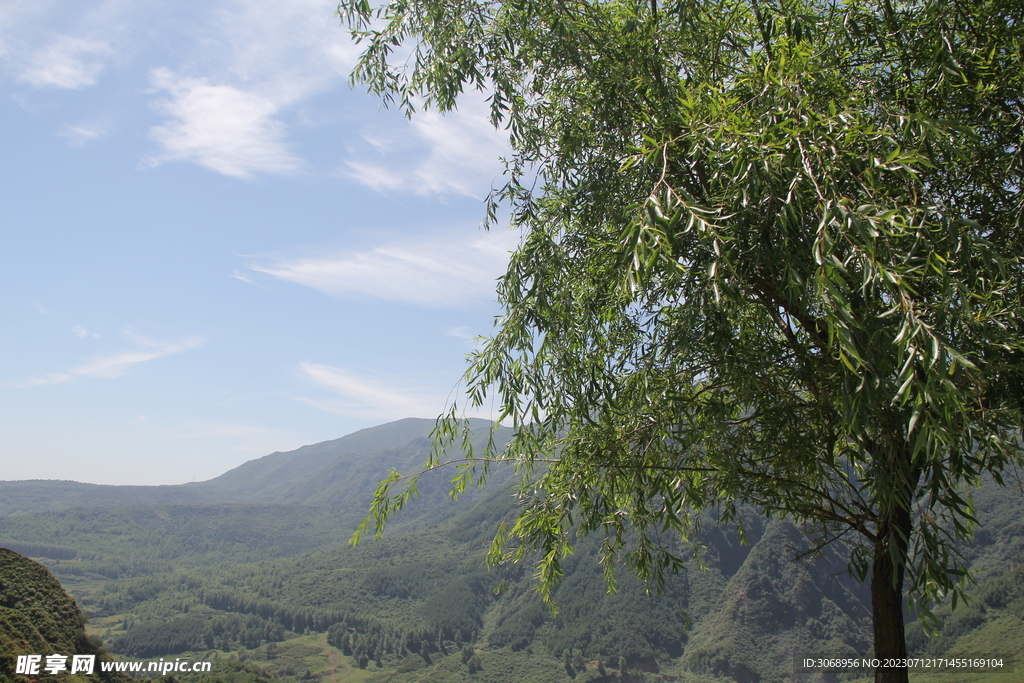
point(38, 618)
point(273, 590)
point(771, 256)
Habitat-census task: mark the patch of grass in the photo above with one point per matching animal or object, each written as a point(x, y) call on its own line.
point(497, 666)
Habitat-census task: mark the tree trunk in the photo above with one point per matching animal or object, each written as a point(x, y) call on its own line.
point(887, 596)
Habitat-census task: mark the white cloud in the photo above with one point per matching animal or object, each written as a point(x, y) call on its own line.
point(117, 364)
point(243, 277)
point(464, 149)
point(362, 397)
point(68, 62)
point(376, 178)
point(220, 127)
point(288, 49)
point(82, 332)
point(77, 136)
point(379, 399)
point(48, 378)
point(449, 273)
point(460, 332)
point(458, 153)
point(473, 341)
point(253, 62)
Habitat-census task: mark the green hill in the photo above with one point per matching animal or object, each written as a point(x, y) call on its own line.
point(38, 618)
point(34, 495)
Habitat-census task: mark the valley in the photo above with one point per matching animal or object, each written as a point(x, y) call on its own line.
point(253, 571)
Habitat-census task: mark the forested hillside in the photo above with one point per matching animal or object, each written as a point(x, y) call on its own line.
point(272, 590)
point(38, 618)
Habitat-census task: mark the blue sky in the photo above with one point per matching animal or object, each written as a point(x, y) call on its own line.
point(212, 248)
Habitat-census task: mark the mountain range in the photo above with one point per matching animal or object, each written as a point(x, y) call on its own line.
point(336, 472)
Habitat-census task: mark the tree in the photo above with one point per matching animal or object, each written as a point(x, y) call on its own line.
point(771, 256)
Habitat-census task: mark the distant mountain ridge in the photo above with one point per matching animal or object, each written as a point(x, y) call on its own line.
point(325, 473)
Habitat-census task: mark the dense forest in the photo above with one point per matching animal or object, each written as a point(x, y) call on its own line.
point(272, 591)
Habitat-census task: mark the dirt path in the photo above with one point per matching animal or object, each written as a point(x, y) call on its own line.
point(332, 661)
point(330, 666)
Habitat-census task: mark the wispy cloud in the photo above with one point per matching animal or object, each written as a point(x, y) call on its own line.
point(457, 153)
point(287, 49)
point(380, 398)
point(116, 365)
point(367, 398)
point(82, 332)
point(443, 273)
point(377, 178)
point(226, 105)
point(48, 378)
point(220, 127)
point(68, 45)
point(460, 332)
point(242, 276)
point(68, 62)
point(78, 136)
point(464, 149)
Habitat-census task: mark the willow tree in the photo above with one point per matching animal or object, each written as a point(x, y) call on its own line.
point(771, 256)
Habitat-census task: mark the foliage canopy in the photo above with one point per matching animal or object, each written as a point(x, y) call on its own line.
point(771, 255)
